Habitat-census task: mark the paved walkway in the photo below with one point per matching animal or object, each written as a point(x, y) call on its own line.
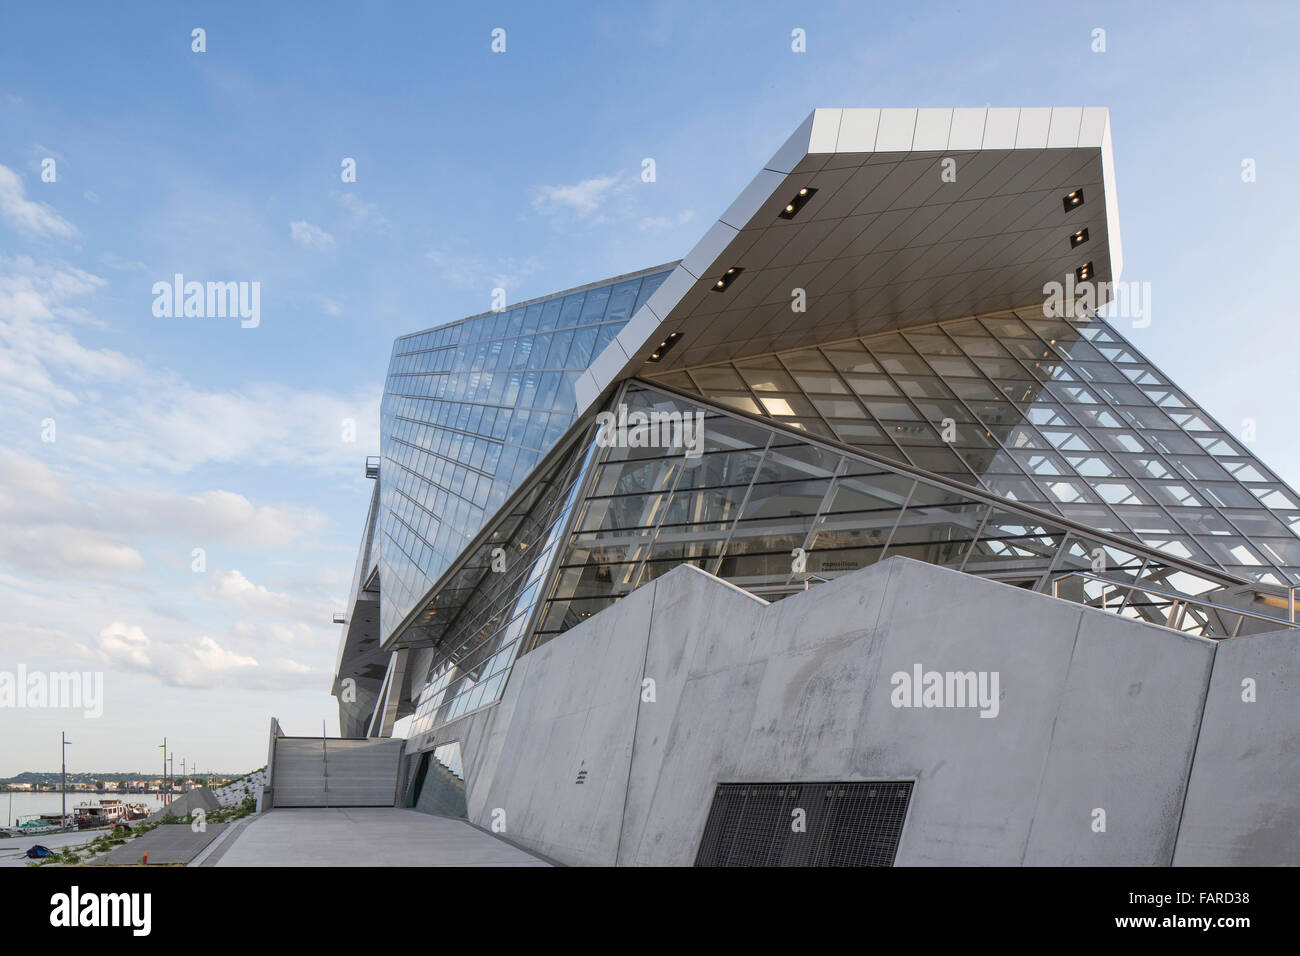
point(170, 843)
point(13, 850)
point(382, 836)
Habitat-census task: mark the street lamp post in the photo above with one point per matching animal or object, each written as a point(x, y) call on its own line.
point(163, 779)
point(63, 778)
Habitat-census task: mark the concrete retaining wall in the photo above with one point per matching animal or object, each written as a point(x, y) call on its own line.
point(199, 799)
point(1095, 716)
point(1243, 803)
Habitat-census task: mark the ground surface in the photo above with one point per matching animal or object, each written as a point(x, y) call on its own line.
point(13, 850)
point(363, 837)
point(171, 843)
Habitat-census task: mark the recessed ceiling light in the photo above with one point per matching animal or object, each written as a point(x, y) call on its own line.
point(664, 346)
point(1071, 200)
point(798, 202)
point(1084, 272)
point(728, 277)
point(1078, 238)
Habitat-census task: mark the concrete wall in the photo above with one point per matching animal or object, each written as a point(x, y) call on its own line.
point(1243, 802)
point(1094, 713)
point(198, 799)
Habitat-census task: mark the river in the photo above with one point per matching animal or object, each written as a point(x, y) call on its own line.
point(25, 804)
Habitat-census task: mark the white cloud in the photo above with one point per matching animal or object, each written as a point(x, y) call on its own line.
point(159, 420)
point(310, 236)
point(470, 272)
point(72, 530)
point(123, 644)
point(201, 663)
point(211, 517)
point(114, 261)
point(660, 223)
point(32, 345)
point(364, 214)
point(179, 427)
point(288, 633)
point(64, 551)
point(32, 219)
point(195, 662)
point(213, 657)
point(584, 199)
point(231, 587)
point(96, 532)
point(45, 537)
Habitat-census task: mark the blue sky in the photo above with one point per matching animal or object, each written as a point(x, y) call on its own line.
point(474, 170)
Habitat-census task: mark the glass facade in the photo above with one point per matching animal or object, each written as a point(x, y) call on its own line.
point(1037, 452)
point(479, 621)
point(773, 513)
point(469, 410)
point(1064, 416)
point(604, 519)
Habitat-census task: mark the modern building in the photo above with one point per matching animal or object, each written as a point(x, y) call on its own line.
point(854, 536)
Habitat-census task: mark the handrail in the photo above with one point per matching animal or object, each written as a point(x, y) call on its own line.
point(1178, 599)
point(791, 588)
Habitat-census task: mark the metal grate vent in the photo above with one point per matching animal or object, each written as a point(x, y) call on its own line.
point(841, 824)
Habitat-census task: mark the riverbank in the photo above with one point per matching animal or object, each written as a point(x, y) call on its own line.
point(25, 804)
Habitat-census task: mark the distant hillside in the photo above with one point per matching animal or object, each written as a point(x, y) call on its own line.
point(36, 777)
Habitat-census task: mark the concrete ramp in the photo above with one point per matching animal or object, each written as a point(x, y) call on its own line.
point(365, 837)
point(324, 772)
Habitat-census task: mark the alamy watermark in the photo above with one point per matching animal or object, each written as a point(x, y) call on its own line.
point(212, 300)
point(652, 429)
point(922, 688)
point(1073, 299)
point(74, 908)
point(54, 690)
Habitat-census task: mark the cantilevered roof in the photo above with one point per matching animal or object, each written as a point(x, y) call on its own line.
point(895, 235)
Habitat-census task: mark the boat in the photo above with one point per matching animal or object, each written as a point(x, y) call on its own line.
point(136, 811)
point(90, 816)
point(31, 826)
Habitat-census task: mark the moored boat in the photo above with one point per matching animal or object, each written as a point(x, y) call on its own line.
point(103, 814)
point(31, 826)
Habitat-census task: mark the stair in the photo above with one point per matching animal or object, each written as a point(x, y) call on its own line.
point(337, 772)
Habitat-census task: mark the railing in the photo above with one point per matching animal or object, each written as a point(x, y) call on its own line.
point(266, 797)
point(794, 587)
point(1176, 606)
